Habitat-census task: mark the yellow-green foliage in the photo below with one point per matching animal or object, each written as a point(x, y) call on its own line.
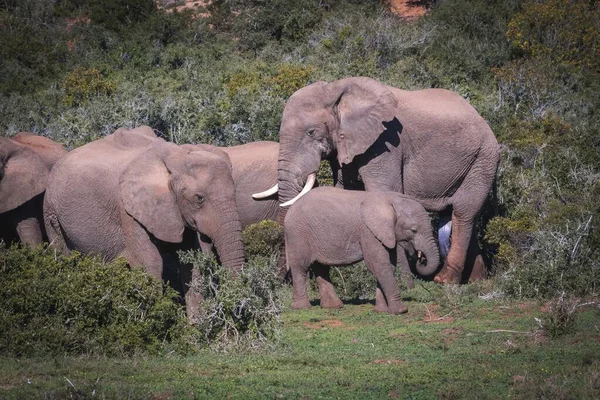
point(84, 83)
point(324, 174)
point(243, 80)
point(568, 32)
point(263, 238)
point(509, 234)
point(290, 78)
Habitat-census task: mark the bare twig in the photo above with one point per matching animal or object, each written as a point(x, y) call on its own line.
point(509, 331)
point(70, 383)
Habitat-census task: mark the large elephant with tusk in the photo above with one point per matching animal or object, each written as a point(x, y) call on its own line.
point(430, 144)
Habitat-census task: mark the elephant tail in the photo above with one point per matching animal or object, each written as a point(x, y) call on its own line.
point(54, 231)
point(444, 233)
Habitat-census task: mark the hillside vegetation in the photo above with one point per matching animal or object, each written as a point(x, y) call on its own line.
point(75, 70)
point(78, 327)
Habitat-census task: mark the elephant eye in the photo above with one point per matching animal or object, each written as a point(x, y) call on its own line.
point(199, 199)
point(311, 133)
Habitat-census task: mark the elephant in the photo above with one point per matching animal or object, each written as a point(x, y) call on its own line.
point(331, 226)
point(430, 144)
point(25, 162)
point(254, 167)
point(134, 195)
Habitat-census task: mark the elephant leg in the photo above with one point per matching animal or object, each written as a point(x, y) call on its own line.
point(300, 287)
point(140, 248)
point(190, 277)
point(455, 262)
point(474, 265)
point(377, 259)
point(26, 220)
point(467, 203)
point(380, 301)
point(329, 298)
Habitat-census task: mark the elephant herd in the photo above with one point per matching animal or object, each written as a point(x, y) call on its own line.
point(395, 155)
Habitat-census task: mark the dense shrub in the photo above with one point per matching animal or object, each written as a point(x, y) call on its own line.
point(264, 238)
point(83, 84)
point(53, 304)
point(238, 313)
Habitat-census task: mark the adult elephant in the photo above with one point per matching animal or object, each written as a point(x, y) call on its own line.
point(254, 167)
point(132, 194)
point(25, 162)
point(430, 144)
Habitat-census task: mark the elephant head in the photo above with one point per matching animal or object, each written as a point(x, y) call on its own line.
point(342, 118)
point(23, 174)
point(396, 219)
point(168, 188)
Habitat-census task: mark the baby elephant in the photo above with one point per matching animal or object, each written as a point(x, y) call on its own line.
point(334, 227)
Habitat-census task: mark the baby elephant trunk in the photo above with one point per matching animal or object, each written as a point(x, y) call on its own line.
point(428, 256)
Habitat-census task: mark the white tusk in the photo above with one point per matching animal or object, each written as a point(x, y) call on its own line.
point(266, 193)
point(310, 182)
point(419, 254)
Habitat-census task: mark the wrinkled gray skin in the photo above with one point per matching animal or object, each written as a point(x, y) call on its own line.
point(330, 226)
point(132, 194)
point(430, 144)
point(254, 167)
point(25, 162)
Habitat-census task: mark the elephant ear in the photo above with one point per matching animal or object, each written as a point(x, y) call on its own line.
point(379, 216)
point(211, 149)
point(133, 138)
point(147, 196)
point(23, 175)
point(361, 108)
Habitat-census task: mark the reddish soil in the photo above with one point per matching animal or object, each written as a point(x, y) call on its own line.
point(432, 315)
point(190, 5)
point(407, 9)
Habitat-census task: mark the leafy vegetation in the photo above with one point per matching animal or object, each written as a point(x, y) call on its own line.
point(240, 313)
point(74, 305)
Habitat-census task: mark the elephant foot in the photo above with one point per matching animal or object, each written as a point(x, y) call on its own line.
point(380, 308)
point(331, 303)
point(301, 304)
point(447, 276)
point(397, 309)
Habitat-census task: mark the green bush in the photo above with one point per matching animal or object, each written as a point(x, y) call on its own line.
point(82, 84)
point(236, 313)
point(264, 238)
point(53, 304)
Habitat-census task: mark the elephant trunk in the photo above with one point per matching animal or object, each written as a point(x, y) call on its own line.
point(229, 245)
point(288, 179)
point(429, 261)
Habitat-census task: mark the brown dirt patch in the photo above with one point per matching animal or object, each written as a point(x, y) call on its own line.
point(326, 324)
point(193, 5)
point(408, 9)
point(388, 362)
point(432, 315)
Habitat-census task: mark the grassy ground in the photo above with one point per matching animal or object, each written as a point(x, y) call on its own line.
point(438, 350)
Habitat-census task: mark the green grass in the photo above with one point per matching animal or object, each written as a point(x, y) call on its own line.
point(434, 351)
